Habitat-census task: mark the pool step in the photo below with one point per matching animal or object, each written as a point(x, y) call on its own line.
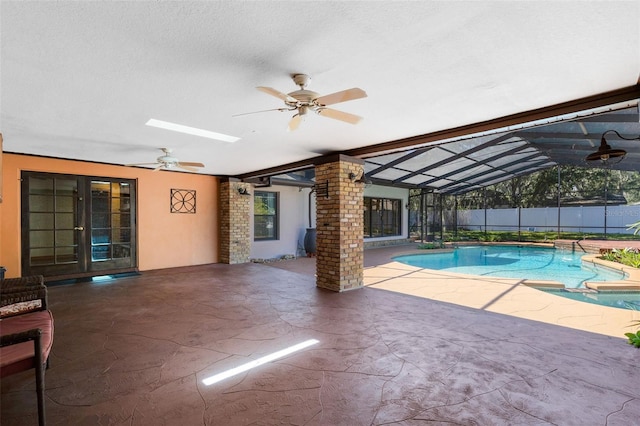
point(580, 290)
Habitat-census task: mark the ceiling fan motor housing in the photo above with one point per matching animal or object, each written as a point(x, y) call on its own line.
point(303, 98)
point(167, 159)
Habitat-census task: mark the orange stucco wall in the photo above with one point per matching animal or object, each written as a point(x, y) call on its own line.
point(165, 239)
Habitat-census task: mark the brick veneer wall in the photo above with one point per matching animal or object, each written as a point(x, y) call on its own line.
point(339, 226)
point(235, 234)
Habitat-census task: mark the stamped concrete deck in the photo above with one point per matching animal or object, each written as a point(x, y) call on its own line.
point(134, 351)
point(501, 295)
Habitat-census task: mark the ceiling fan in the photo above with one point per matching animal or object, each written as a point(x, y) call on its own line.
point(302, 101)
point(167, 162)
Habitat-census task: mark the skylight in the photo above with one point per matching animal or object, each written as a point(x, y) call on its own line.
point(191, 130)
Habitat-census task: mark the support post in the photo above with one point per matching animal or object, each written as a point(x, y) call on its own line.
point(606, 201)
point(559, 195)
point(339, 224)
point(235, 211)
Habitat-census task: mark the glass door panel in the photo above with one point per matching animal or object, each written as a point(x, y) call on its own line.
point(52, 213)
point(77, 225)
point(111, 224)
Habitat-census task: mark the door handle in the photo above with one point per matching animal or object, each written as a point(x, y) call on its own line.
point(79, 228)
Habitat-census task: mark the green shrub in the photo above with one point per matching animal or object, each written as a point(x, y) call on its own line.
point(634, 338)
point(626, 256)
point(431, 245)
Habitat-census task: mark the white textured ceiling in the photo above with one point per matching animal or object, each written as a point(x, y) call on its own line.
point(80, 79)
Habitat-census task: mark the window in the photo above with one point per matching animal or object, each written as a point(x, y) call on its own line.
point(265, 216)
point(382, 217)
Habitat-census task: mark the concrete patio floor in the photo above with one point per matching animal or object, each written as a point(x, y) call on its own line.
point(135, 350)
point(500, 295)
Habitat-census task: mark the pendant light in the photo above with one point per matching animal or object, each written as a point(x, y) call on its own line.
point(605, 153)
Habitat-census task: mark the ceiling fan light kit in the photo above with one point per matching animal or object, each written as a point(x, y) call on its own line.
point(304, 100)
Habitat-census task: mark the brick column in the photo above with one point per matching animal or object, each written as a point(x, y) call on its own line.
point(339, 224)
point(235, 234)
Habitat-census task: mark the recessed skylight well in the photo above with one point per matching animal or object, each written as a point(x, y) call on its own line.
point(191, 130)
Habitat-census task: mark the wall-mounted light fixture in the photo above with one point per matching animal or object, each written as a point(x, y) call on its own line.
point(243, 191)
point(606, 154)
point(359, 178)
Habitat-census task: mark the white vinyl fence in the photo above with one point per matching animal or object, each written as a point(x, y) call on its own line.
point(615, 220)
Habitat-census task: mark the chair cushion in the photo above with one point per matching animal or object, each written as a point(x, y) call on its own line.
point(20, 357)
point(20, 308)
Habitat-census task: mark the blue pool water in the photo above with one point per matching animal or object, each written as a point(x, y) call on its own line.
point(532, 263)
point(616, 299)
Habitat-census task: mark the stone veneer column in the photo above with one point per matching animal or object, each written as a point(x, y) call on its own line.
point(339, 224)
point(235, 210)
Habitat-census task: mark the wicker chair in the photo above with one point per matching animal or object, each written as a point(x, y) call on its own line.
point(26, 330)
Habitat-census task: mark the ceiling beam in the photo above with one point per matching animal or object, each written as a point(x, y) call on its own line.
point(613, 97)
point(299, 165)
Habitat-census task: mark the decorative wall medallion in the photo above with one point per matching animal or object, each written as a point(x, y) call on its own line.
point(183, 201)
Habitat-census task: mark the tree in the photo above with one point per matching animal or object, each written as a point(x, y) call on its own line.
point(578, 185)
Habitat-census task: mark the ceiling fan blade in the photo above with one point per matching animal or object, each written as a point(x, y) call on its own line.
point(158, 167)
point(140, 164)
point(277, 94)
point(343, 96)
point(189, 164)
point(264, 110)
point(295, 122)
point(189, 168)
point(340, 115)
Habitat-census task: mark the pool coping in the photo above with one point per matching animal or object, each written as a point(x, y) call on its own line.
point(631, 280)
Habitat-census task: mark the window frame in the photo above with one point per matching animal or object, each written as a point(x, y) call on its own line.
point(368, 223)
point(275, 216)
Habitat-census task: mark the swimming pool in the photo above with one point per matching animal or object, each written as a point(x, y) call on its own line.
point(532, 263)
